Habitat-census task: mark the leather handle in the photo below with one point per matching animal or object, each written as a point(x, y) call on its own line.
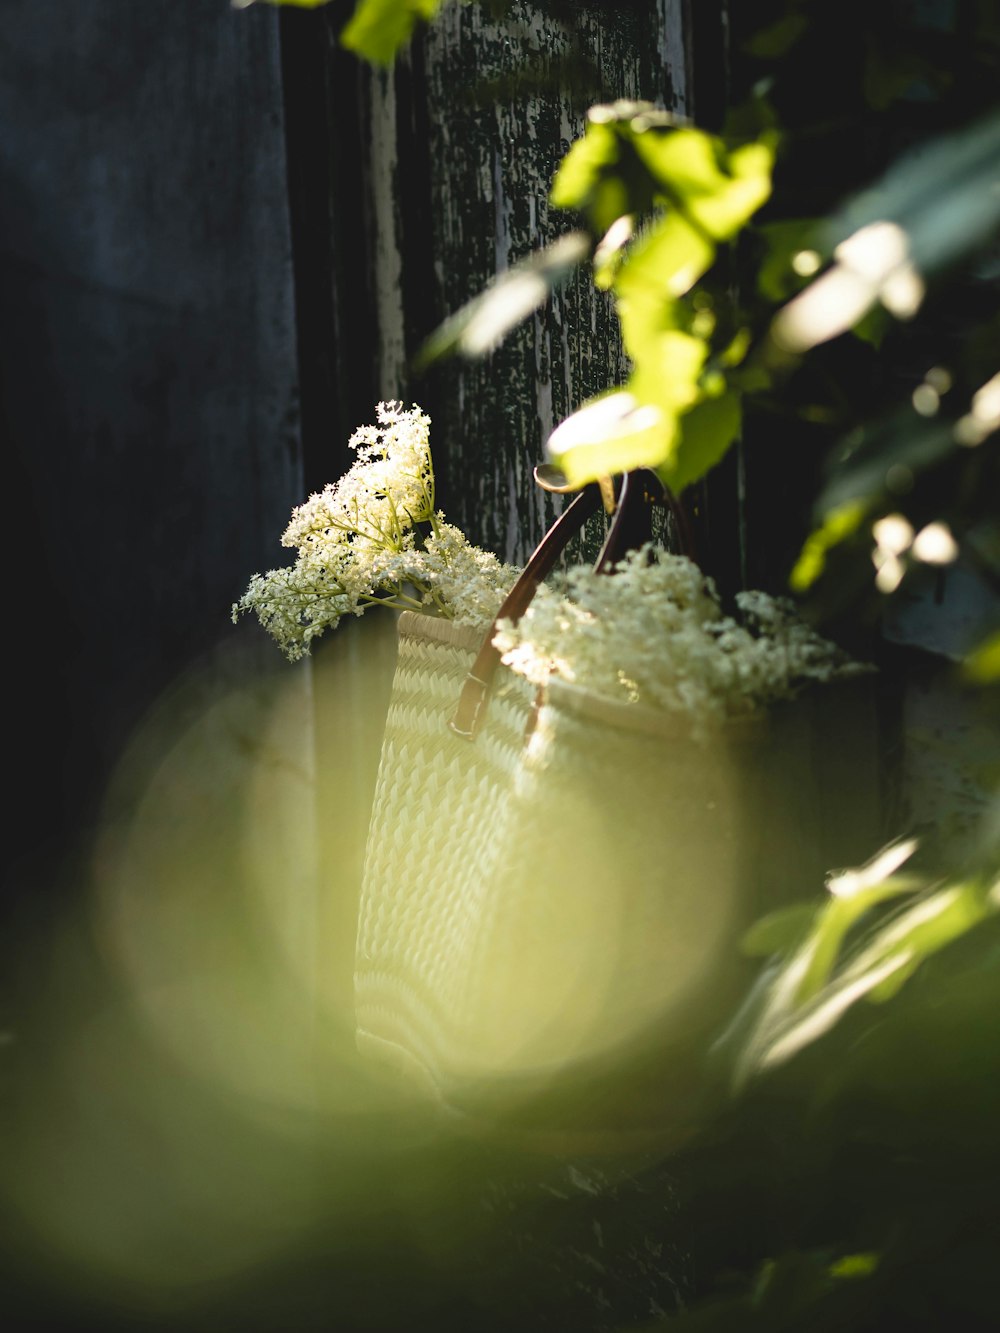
point(630, 528)
point(468, 714)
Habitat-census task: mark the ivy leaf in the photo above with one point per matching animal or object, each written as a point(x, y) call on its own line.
point(484, 321)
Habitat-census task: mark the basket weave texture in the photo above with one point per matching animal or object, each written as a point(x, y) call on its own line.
point(529, 906)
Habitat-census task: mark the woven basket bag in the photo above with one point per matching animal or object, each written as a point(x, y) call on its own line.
point(553, 884)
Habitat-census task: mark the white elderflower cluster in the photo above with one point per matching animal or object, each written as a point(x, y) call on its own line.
point(375, 538)
point(654, 632)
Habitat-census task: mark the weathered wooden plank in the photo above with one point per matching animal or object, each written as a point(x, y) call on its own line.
point(492, 103)
point(147, 353)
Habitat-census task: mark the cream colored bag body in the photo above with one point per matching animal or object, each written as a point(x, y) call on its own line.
point(545, 898)
point(533, 905)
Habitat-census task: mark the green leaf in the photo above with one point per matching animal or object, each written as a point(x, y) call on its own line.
point(873, 327)
point(663, 264)
point(924, 929)
point(485, 320)
point(667, 369)
point(816, 987)
point(378, 29)
point(779, 932)
point(609, 435)
point(705, 435)
point(584, 166)
point(720, 191)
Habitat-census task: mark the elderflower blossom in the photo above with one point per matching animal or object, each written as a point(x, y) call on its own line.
point(360, 542)
point(655, 633)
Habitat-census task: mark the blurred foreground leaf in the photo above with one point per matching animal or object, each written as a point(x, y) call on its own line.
point(935, 206)
point(823, 978)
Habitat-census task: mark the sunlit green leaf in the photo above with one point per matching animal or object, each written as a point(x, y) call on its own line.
point(379, 28)
point(609, 435)
point(923, 930)
point(719, 190)
point(818, 956)
point(878, 971)
point(704, 436)
point(610, 249)
point(815, 1019)
point(667, 369)
point(734, 354)
point(818, 985)
point(662, 265)
point(484, 321)
point(584, 165)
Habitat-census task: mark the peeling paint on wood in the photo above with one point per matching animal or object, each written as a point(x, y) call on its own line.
point(502, 100)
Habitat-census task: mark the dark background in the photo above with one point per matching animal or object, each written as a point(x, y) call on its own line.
point(149, 403)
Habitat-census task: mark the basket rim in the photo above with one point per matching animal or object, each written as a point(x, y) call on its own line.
point(633, 717)
point(419, 625)
point(650, 721)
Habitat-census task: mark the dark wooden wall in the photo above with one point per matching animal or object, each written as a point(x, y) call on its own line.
point(466, 133)
point(148, 368)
